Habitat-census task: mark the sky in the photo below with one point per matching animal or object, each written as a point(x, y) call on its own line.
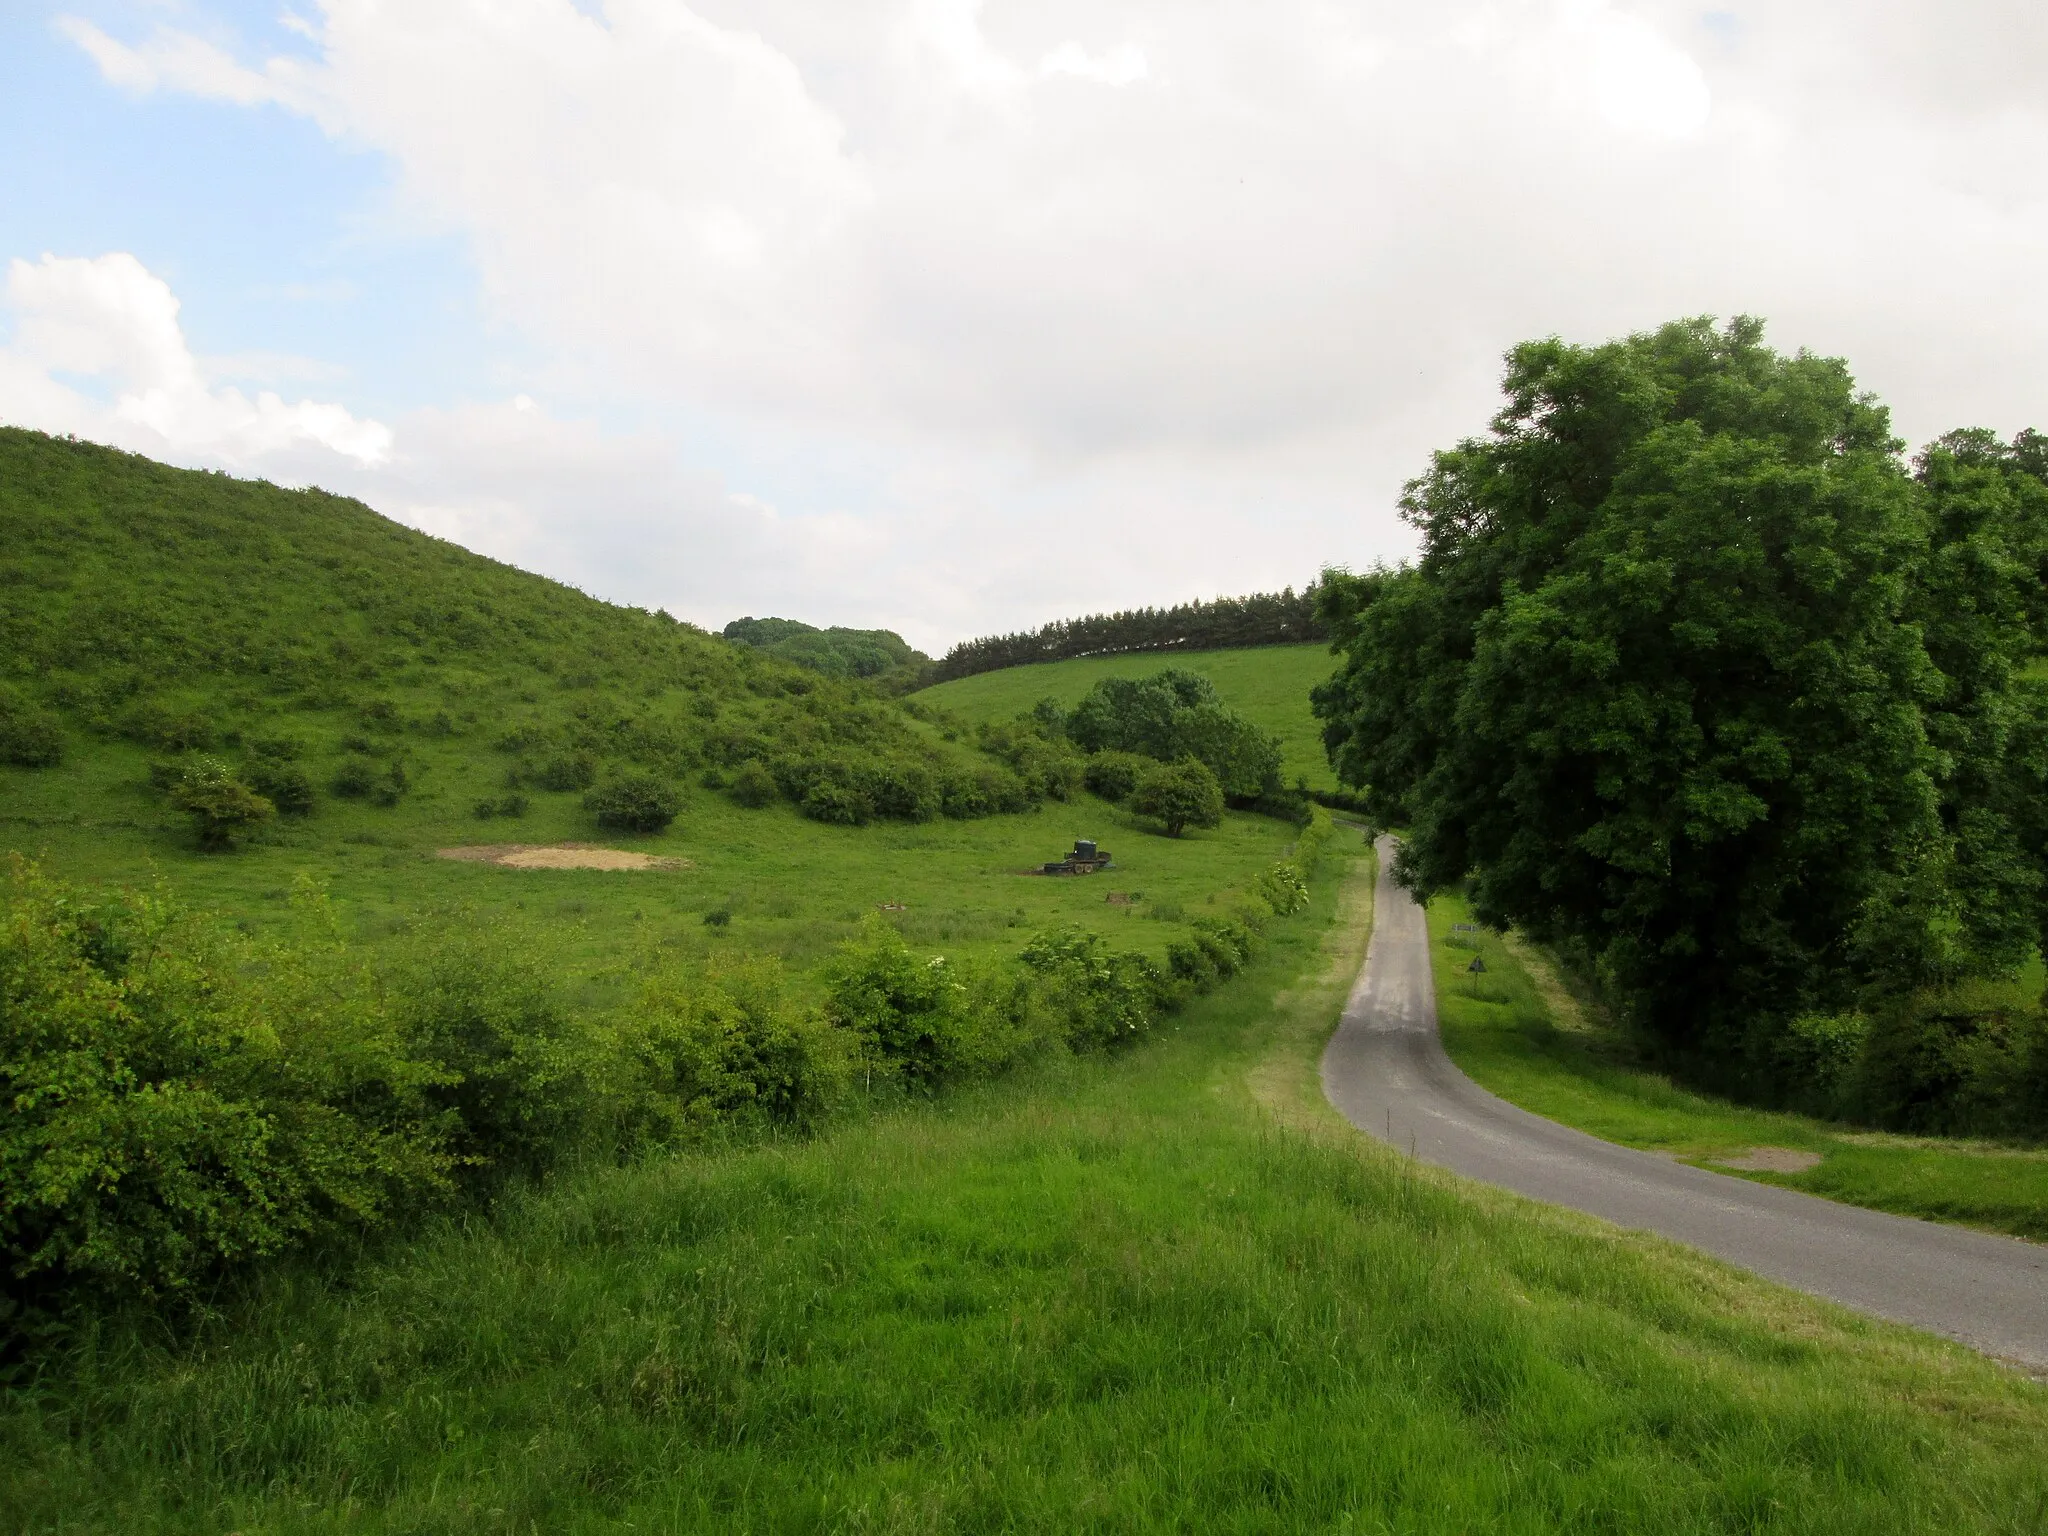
point(959, 316)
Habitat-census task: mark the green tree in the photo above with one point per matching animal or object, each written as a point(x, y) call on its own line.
point(222, 808)
point(1174, 714)
point(1649, 685)
point(1182, 795)
point(634, 802)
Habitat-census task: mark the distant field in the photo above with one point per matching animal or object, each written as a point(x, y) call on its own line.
point(794, 887)
point(1267, 684)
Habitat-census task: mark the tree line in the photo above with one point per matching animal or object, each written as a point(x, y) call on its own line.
point(1263, 618)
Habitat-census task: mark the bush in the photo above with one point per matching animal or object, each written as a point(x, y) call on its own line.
point(221, 807)
point(729, 1047)
point(906, 1014)
point(29, 737)
point(166, 1120)
point(1181, 795)
point(356, 778)
point(753, 786)
point(1099, 996)
point(1114, 775)
point(515, 1077)
point(566, 772)
point(838, 803)
point(634, 802)
point(284, 784)
point(158, 725)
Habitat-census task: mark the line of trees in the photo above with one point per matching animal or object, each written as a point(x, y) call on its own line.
point(1263, 618)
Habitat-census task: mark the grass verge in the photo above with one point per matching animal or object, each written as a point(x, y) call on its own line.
point(1518, 1031)
point(1166, 1291)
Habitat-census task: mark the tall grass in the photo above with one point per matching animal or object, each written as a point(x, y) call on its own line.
point(1098, 1297)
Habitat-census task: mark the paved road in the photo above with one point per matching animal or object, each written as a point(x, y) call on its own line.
point(1386, 1070)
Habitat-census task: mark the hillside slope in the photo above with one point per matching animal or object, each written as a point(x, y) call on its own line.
point(1268, 685)
point(422, 697)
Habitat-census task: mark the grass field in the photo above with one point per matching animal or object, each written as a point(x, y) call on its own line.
point(1268, 685)
point(1517, 1031)
point(794, 887)
point(1169, 1292)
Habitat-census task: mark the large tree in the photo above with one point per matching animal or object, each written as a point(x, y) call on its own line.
point(1660, 682)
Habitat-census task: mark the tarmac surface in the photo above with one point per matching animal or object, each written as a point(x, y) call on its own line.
point(1386, 1071)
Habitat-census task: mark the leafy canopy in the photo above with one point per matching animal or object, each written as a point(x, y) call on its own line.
point(1182, 795)
point(1687, 675)
point(1174, 714)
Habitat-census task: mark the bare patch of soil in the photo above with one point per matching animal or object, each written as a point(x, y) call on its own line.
point(558, 856)
point(1770, 1160)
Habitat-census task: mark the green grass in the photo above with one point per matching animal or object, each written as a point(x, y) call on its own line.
point(1517, 1032)
point(795, 887)
point(134, 589)
point(1268, 685)
point(1166, 1292)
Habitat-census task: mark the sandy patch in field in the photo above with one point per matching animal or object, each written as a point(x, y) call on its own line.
point(558, 856)
point(1770, 1160)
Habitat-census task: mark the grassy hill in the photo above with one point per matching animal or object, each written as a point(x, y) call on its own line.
point(1154, 1288)
point(156, 613)
point(1268, 685)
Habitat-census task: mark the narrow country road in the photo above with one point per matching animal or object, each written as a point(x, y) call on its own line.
point(1386, 1071)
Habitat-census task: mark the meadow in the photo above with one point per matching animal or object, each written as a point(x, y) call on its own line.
point(1520, 1031)
point(792, 886)
point(1268, 684)
point(1163, 1292)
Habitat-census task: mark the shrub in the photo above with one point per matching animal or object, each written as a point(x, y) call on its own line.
point(905, 791)
point(356, 778)
point(158, 725)
point(484, 810)
point(728, 1047)
point(221, 807)
point(753, 786)
point(1181, 795)
point(516, 1076)
point(1100, 996)
point(363, 778)
point(282, 749)
point(1283, 889)
point(840, 804)
point(29, 737)
point(907, 1014)
point(566, 772)
point(634, 802)
point(165, 1119)
point(1114, 775)
point(284, 784)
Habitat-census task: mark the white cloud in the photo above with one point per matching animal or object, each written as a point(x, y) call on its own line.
point(177, 61)
point(1122, 65)
point(1643, 82)
point(1199, 330)
point(109, 321)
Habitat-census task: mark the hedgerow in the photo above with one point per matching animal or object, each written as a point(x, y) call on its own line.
point(181, 1103)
